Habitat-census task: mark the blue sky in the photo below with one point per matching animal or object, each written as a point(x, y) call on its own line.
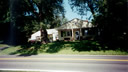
point(71, 15)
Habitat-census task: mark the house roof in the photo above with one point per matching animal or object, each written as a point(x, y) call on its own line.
point(49, 31)
point(75, 24)
point(38, 33)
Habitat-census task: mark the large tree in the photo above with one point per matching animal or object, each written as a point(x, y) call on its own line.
point(110, 16)
point(21, 24)
point(46, 12)
point(4, 19)
point(112, 22)
point(25, 16)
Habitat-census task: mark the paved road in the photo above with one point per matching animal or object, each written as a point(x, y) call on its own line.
point(65, 63)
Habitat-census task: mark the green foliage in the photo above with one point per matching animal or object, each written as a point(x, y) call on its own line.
point(48, 10)
point(110, 17)
point(58, 21)
point(4, 14)
point(21, 18)
point(112, 23)
point(83, 6)
point(4, 18)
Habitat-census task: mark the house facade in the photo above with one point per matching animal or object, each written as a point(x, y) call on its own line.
point(52, 35)
point(75, 29)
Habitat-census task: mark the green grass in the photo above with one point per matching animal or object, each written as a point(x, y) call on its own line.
point(9, 50)
point(3, 45)
point(71, 52)
point(66, 48)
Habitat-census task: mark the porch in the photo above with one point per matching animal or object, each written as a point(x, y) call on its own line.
point(76, 34)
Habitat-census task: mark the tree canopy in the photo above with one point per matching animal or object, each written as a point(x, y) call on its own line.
point(4, 18)
point(26, 16)
point(110, 17)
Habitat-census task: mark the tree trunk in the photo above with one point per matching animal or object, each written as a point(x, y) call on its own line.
point(44, 36)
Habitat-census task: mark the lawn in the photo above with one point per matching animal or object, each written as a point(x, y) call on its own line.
point(3, 45)
point(66, 48)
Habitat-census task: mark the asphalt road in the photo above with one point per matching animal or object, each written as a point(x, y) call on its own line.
point(65, 63)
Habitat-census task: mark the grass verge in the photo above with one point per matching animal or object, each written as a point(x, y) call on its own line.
point(66, 48)
point(3, 45)
point(9, 50)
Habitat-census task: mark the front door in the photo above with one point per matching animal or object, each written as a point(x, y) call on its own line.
point(77, 35)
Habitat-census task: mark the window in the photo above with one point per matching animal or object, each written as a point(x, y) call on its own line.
point(66, 33)
point(61, 33)
point(85, 32)
point(69, 33)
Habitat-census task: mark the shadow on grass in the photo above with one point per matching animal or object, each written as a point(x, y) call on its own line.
point(91, 45)
point(85, 45)
point(55, 47)
point(28, 50)
point(3, 48)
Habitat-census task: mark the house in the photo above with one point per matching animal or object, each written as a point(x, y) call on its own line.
point(52, 35)
point(75, 29)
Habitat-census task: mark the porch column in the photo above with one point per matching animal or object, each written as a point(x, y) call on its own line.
point(80, 34)
point(72, 35)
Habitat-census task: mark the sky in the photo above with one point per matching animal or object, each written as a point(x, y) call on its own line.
point(71, 15)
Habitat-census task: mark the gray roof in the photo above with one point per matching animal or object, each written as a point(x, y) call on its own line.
point(75, 24)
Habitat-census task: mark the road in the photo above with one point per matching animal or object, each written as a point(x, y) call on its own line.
point(65, 63)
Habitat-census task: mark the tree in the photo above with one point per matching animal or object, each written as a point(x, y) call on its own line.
point(49, 10)
point(83, 6)
point(112, 22)
point(19, 22)
point(110, 16)
point(4, 19)
point(58, 22)
point(26, 16)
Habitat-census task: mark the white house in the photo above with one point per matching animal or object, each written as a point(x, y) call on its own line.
point(52, 33)
point(71, 30)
